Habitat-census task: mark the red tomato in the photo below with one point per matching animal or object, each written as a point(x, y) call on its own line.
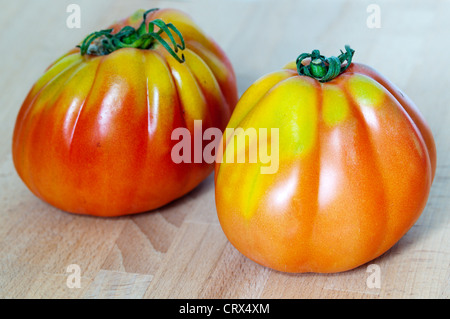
point(355, 165)
point(93, 135)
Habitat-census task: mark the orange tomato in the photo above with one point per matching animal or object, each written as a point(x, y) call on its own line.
point(93, 136)
point(355, 166)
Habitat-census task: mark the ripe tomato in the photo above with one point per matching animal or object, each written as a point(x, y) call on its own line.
point(355, 166)
point(93, 135)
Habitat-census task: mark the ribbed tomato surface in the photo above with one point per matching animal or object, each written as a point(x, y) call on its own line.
point(356, 163)
point(93, 135)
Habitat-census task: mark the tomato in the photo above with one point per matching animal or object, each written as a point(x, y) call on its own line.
point(355, 164)
point(93, 136)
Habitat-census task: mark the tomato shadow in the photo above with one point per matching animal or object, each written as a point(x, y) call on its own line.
point(187, 202)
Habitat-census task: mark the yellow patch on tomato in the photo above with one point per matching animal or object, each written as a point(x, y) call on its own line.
point(290, 106)
point(366, 91)
point(55, 70)
point(335, 107)
point(291, 66)
point(136, 16)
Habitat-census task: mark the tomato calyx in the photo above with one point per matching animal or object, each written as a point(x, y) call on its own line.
point(322, 68)
point(104, 42)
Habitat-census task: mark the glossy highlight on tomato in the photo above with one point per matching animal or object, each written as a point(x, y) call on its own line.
point(356, 163)
point(93, 136)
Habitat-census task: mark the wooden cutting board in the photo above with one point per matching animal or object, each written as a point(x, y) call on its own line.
point(180, 251)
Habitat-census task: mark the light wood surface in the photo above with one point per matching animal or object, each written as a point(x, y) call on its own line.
point(180, 251)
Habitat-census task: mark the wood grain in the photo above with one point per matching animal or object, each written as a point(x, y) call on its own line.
point(180, 251)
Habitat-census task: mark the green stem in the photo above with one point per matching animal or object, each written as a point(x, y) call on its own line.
point(318, 68)
point(324, 69)
point(104, 42)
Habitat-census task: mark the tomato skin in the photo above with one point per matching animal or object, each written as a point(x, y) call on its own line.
point(356, 163)
point(93, 136)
